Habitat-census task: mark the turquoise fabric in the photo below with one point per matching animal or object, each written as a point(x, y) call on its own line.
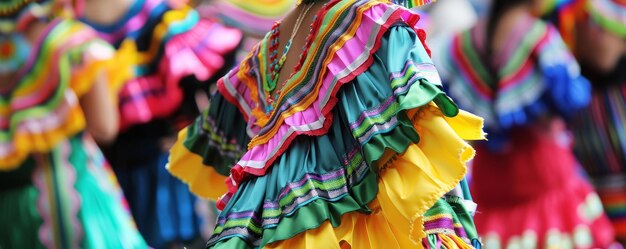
point(320, 178)
point(72, 188)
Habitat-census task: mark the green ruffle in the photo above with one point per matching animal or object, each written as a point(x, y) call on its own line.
point(371, 107)
point(294, 194)
point(218, 135)
point(331, 178)
point(314, 214)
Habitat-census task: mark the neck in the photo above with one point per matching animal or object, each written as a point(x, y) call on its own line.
point(106, 11)
point(509, 19)
point(34, 30)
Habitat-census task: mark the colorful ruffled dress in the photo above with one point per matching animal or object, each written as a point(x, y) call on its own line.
point(363, 148)
point(600, 129)
point(56, 189)
point(525, 178)
point(173, 54)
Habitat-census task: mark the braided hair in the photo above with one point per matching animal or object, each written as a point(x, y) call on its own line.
point(310, 1)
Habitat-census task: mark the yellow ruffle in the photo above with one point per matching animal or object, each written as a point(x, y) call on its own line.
point(409, 184)
point(202, 180)
point(118, 69)
point(26, 143)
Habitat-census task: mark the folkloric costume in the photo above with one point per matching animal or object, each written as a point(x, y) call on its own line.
point(173, 54)
point(361, 147)
point(56, 190)
point(600, 129)
point(525, 177)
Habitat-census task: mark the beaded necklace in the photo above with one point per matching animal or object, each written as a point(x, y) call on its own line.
point(276, 65)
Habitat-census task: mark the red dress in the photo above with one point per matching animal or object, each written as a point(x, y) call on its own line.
point(536, 193)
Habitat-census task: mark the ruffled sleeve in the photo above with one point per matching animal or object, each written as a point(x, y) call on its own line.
point(206, 149)
point(382, 106)
point(99, 59)
point(412, 134)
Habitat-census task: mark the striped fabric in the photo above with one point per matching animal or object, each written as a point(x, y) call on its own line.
point(534, 74)
point(328, 186)
point(310, 93)
point(600, 132)
point(413, 3)
point(610, 14)
point(15, 14)
point(41, 108)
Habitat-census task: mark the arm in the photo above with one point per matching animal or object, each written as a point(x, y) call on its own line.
point(100, 112)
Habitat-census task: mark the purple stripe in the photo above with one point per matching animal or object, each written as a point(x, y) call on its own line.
point(409, 84)
point(404, 70)
point(270, 204)
point(308, 178)
point(460, 231)
point(372, 112)
point(445, 223)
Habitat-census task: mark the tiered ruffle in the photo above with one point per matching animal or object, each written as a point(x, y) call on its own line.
point(383, 144)
point(164, 45)
point(42, 107)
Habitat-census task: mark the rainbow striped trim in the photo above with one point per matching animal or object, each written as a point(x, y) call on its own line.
point(600, 133)
point(58, 201)
point(413, 3)
point(46, 94)
point(519, 94)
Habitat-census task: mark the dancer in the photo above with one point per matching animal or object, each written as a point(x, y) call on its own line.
point(599, 42)
point(334, 133)
point(516, 72)
point(175, 55)
point(56, 190)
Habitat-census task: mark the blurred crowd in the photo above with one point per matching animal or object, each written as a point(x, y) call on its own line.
point(93, 94)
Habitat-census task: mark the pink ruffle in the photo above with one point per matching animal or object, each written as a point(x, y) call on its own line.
point(198, 52)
